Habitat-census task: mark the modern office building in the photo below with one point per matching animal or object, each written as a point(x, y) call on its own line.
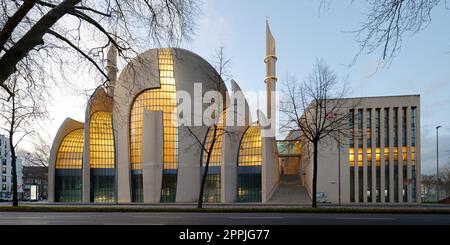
point(131, 148)
point(378, 161)
point(6, 171)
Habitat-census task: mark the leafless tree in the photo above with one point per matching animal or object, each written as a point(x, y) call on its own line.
point(221, 63)
point(39, 155)
point(388, 21)
point(316, 108)
point(38, 36)
point(19, 113)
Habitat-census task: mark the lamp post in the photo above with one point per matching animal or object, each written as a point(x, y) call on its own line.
point(438, 182)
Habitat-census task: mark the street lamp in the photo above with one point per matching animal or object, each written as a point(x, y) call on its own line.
point(437, 162)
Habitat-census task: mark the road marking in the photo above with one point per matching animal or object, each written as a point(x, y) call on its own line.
point(128, 224)
point(158, 217)
point(255, 217)
point(363, 218)
point(66, 216)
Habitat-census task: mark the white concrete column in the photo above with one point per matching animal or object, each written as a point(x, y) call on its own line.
point(122, 142)
point(374, 159)
point(152, 155)
point(418, 153)
point(408, 155)
point(355, 146)
point(270, 173)
point(400, 155)
point(364, 144)
point(382, 158)
point(188, 180)
point(230, 151)
point(391, 155)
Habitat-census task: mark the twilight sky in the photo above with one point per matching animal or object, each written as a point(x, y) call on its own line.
point(303, 33)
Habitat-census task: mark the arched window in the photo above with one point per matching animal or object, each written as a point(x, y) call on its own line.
point(101, 154)
point(158, 99)
point(249, 165)
point(213, 179)
point(68, 168)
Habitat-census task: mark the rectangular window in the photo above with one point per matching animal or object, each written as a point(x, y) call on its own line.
point(395, 128)
point(405, 184)
point(360, 175)
point(352, 173)
point(396, 181)
point(386, 127)
point(4, 162)
point(369, 174)
point(360, 128)
point(369, 127)
point(3, 187)
point(351, 124)
point(377, 127)
point(3, 178)
point(413, 126)
point(404, 127)
point(3, 170)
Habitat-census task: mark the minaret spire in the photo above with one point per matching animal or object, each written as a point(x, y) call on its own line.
point(111, 68)
point(271, 76)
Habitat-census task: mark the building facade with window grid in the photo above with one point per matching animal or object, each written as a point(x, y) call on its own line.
point(380, 160)
point(6, 171)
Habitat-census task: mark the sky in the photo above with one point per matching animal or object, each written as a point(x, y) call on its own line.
point(303, 34)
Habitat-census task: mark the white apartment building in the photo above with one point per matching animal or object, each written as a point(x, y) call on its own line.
point(6, 171)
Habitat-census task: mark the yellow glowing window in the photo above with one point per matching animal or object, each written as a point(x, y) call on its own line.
point(70, 152)
point(158, 99)
point(404, 153)
point(216, 153)
point(386, 154)
point(369, 154)
point(250, 150)
point(351, 156)
point(101, 141)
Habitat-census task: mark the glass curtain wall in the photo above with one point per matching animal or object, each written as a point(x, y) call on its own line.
point(157, 99)
point(249, 165)
point(68, 168)
point(102, 163)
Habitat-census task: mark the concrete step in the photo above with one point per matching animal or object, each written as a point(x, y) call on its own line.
point(290, 191)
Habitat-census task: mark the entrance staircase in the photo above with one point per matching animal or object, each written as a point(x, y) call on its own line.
point(290, 191)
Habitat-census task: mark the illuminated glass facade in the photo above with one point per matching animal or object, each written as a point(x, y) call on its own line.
point(249, 166)
point(158, 99)
point(102, 163)
point(68, 168)
point(383, 152)
point(213, 179)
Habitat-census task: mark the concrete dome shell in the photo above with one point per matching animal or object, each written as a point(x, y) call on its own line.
point(189, 68)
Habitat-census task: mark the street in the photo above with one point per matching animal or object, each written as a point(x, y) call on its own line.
point(194, 218)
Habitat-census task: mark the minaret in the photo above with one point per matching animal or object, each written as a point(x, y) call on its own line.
point(271, 77)
point(111, 69)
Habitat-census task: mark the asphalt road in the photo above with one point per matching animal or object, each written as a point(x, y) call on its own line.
point(140, 218)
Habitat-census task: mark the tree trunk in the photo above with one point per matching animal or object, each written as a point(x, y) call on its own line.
point(314, 191)
point(32, 38)
point(14, 171)
point(205, 174)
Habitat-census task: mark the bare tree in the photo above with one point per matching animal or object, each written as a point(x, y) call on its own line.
point(217, 129)
point(39, 156)
point(317, 110)
point(19, 112)
point(388, 21)
point(38, 32)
